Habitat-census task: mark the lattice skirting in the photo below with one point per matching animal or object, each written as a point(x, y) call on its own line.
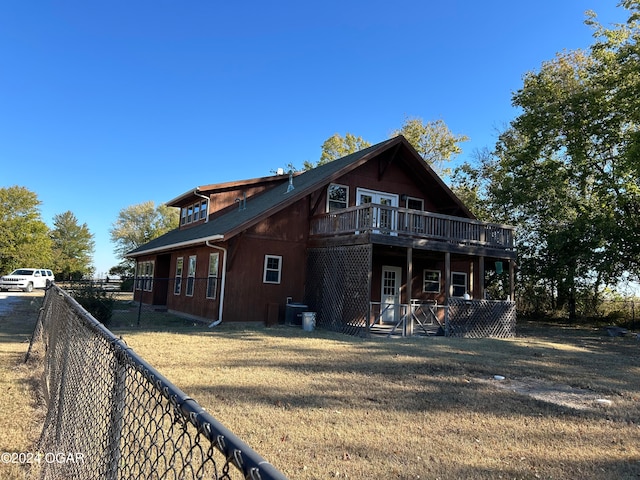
point(338, 286)
point(481, 318)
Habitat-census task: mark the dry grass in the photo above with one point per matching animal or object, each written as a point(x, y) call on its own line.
point(322, 405)
point(21, 411)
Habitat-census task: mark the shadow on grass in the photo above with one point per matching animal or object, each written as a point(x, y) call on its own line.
point(18, 315)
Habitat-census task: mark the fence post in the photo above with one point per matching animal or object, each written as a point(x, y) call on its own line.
point(117, 416)
point(135, 283)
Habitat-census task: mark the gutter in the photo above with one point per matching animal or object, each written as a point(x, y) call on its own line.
point(195, 192)
point(222, 283)
point(212, 238)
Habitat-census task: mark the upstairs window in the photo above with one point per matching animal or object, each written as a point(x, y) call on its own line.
point(337, 197)
point(203, 209)
point(415, 203)
point(193, 213)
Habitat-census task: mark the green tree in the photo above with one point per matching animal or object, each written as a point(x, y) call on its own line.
point(337, 146)
point(73, 247)
point(24, 239)
point(567, 171)
point(433, 140)
point(138, 224)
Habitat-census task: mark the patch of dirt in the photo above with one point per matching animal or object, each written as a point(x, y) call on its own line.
point(558, 394)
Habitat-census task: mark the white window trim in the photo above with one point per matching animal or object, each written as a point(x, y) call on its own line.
point(199, 211)
point(213, 276)
point(266, 262)
point(454, 285)
point(431, 282)
point(191, 276)
point(346, 187)
point(177, 286)
point(406, 203)
point(144, 274)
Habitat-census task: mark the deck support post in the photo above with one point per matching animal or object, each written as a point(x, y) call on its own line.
point(481, 278)
point(408, 324)
point(447, 277)
point(512, 281)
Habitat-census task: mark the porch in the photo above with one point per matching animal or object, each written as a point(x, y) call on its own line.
point(414, 225)
point(460, 318)
point(376, 268)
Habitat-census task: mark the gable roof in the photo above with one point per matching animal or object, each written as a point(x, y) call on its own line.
point(277, 198)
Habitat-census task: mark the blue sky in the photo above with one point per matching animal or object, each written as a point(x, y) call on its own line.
point(106, 104)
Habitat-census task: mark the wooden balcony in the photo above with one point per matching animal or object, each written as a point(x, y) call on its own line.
point(415, 225)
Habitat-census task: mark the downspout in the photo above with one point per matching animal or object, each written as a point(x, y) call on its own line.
point(222, 283)
point(195, 192)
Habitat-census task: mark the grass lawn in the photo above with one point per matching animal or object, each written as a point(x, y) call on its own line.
point(324, 405)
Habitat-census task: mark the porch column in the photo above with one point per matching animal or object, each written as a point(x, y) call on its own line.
point(408, 324)
point(512, 281)
point(447, 276)
point(481, 278)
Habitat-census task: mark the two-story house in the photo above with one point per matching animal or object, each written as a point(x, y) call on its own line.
point(363, 240)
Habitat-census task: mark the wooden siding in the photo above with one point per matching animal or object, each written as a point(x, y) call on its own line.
point(248, 298)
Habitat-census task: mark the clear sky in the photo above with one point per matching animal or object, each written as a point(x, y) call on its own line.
point(106, 104)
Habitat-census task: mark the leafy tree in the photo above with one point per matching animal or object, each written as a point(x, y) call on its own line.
point(337, 146)
point(567, 173)
point(24, 239)
point(73, 247)
point(433, 140)
point(138, 224)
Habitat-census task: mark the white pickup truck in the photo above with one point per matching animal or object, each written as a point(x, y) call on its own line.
point(26, 279)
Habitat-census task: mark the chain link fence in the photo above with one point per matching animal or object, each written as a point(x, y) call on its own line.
point(111, 415)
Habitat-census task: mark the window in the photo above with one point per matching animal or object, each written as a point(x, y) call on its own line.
point(212, 278)
point(415, 222)
point(415, 203)
point(193, 213)
point(431, 281)
point(272, 269)
point(191, 276)
point(177, 286)
point(203, 209)
point(145, 276)
point(459, 283)
point(337, 197)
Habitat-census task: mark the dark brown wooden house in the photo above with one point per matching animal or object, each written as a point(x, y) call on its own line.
point(373, 238)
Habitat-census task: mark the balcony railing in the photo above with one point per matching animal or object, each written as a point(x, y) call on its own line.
point(387, 220)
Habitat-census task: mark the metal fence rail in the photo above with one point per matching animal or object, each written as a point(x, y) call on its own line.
point(111, 415)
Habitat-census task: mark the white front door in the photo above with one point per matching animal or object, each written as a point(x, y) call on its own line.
point(390, 294)
point(379, 219)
